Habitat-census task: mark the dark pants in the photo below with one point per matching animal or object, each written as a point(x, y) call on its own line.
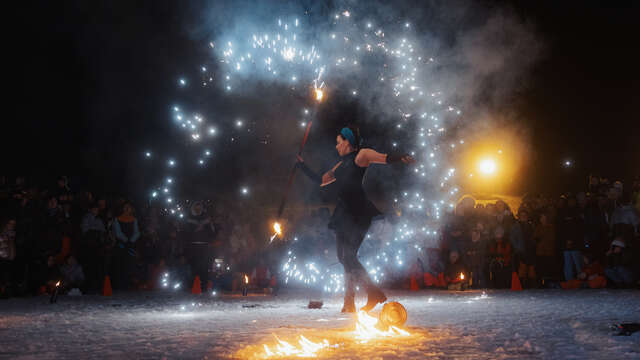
point(6, 272)
point(199, 255)
point(620, 275)
point(349, 237)
point(479, 277)
point(92, 264)
point(572, 264)
point(546, 266)
point(123, 267)
point(500, 275)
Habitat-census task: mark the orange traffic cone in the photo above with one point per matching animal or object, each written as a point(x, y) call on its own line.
point(429, 280)
point(414, 284)
point(209, 285)
point(515, 282)
point(196, 289)
point(106, 286)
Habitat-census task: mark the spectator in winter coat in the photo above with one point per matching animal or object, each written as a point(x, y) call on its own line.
point(595, 223)
point(7, 256)
point(127, 232)
point(618, 269)
point(72, 273)
point(456, 273)
point(8, 240)
point(500, 263)
point(200, 231)
point(434, 273)
point(91, 221)
point(126, 227)
point(261, 276)
point(524, 248)
point(51, 248)
point(544, 236)
point(624, 220)
point(571, 238)
point(91, 249)
point(475, 256)
point(62, 191)
point(455, 235)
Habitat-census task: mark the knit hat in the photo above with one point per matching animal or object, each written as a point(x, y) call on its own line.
point(618, 243)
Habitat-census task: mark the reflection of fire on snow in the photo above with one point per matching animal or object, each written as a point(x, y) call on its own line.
point(367, 328)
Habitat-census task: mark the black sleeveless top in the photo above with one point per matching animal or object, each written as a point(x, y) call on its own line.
point(353, 205)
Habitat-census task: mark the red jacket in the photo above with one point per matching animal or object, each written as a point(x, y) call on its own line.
point(501, 249)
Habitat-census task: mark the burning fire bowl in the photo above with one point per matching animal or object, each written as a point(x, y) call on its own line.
point(393, 314)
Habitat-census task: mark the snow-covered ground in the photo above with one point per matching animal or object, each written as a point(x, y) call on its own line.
point(545, 324)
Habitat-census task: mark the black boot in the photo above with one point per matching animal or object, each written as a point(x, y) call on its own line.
point(375, 296)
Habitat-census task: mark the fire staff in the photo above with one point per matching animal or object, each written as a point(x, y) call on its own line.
point(354, 211)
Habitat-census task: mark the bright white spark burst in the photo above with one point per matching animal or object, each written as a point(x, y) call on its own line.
point(285, 52)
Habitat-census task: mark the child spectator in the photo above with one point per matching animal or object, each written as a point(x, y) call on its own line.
point(619, 260)
point(456, 273)
point(72, 274)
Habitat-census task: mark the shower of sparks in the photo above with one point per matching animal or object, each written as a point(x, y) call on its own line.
point(361, 58)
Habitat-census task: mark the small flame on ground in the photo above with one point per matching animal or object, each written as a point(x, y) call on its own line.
point(58, 283)
point(461, 276)
point(246, 279)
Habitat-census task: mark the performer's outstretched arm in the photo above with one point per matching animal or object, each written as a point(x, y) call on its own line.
point(367, 157)
point(315, 177)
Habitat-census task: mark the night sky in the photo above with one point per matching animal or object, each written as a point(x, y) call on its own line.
point(90, 85)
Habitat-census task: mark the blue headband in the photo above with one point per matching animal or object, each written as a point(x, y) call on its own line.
point(348, 134)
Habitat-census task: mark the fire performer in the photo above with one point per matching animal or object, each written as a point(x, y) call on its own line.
point(354, 211)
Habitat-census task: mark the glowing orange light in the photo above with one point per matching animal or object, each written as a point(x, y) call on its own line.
point(246, 279)
point(487, 166)
point(319, 94)
point(461, 276)
point(58, 283)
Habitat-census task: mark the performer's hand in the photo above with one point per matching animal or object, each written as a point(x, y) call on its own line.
point(300, 159)
point(408, 159)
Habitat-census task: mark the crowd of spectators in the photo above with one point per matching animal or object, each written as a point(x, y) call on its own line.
point(586, 239)
point(52, 233)
point(48, 234)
